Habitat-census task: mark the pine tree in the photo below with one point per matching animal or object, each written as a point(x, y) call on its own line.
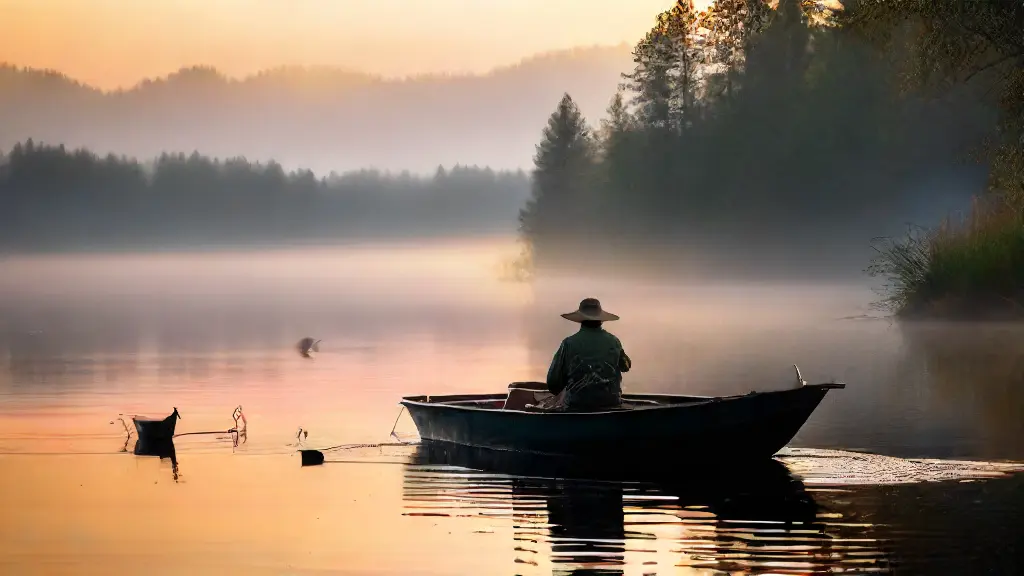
point(650, 80)
point(618, 147)
point(615, 128)
point(685, 60)
point(560, 202)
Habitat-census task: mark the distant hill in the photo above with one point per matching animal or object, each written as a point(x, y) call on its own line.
point(319, 118)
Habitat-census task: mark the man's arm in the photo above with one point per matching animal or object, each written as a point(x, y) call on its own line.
point(624, 362)
point(556, 372)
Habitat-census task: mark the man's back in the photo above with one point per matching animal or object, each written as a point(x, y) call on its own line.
point(588, 366)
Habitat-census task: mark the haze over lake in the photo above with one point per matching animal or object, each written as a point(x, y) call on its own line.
point(192, 192)
point(85, 338)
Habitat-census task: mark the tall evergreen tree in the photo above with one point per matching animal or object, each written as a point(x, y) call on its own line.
point(650, 81)
point(560, 202)
point(619, 161)
point(686, 57)
point(732, 26)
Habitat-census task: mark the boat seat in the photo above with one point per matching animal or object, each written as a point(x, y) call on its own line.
point(532, 397)
point(519, 398)
point(630, 405)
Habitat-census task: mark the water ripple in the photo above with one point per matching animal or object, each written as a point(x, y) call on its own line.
point(761, 523)
point(839, 467)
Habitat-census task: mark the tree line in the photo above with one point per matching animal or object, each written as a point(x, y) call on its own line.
point(783, 135)
point(53, 198)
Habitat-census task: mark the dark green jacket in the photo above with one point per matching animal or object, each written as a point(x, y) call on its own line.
point(589, 366)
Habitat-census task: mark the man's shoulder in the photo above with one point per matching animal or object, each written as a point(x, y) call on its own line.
point(613, 338)
point(589, 336)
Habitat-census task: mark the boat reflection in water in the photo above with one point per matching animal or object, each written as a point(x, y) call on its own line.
point(757, 519)
point(161, 447)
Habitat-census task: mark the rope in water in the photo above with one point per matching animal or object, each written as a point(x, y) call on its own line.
point(377, 462)
point(377, 445)
point(231, 431)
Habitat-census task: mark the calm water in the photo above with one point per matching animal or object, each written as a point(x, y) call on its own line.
point(85, 339)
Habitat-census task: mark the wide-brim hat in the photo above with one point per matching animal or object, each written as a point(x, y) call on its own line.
point(590, 309)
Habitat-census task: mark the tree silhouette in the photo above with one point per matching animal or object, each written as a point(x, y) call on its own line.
point(767, 137)
point(562, 190)
point(52, 198)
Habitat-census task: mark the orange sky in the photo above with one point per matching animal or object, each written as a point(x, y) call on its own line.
point(112, 43)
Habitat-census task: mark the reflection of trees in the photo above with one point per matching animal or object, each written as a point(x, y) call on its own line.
point(600, 522)
point(977, 372)
point(48, 340)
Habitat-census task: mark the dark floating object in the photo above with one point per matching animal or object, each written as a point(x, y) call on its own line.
point(162, 447)
point(151, 429)
point(645, 428)
point(312, 457)
point(307, 345)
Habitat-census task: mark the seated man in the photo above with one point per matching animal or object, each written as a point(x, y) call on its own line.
point(587, 368)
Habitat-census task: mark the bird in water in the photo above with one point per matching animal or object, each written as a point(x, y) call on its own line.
point(307, 345)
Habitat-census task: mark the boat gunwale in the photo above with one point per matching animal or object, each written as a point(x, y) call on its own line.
point(418, 401)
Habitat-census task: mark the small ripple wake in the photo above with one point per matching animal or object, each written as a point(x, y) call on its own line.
point(840, 467)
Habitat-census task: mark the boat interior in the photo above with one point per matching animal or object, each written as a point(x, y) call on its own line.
point(535, 397)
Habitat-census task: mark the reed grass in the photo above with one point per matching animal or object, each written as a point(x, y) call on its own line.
point(968, 269)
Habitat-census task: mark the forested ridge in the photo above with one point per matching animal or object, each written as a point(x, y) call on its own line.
point(53, 198)
point(783, 136)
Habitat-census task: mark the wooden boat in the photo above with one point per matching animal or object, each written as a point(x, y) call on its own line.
point(154, 429)
point(647, 426)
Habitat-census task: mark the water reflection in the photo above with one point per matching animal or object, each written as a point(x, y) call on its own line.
point(975, 374)
point(750, 521)
point(159, 447)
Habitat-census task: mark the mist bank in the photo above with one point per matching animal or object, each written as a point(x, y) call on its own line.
point(55, 199)
point(754, 140)
point(314, 117)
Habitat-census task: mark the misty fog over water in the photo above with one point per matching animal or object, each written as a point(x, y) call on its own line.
point(723, 202)
point(86, 337)
point(422, 318)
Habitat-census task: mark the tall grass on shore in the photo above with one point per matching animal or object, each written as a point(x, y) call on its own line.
point(967, 269)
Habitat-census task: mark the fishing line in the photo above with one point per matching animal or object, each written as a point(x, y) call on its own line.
point(378, 445)
point(313, 457)
point(374, 445)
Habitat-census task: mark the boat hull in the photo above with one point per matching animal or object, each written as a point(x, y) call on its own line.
point(754, 426)
point(156, 430)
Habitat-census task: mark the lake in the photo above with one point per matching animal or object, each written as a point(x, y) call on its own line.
point(909, 470)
